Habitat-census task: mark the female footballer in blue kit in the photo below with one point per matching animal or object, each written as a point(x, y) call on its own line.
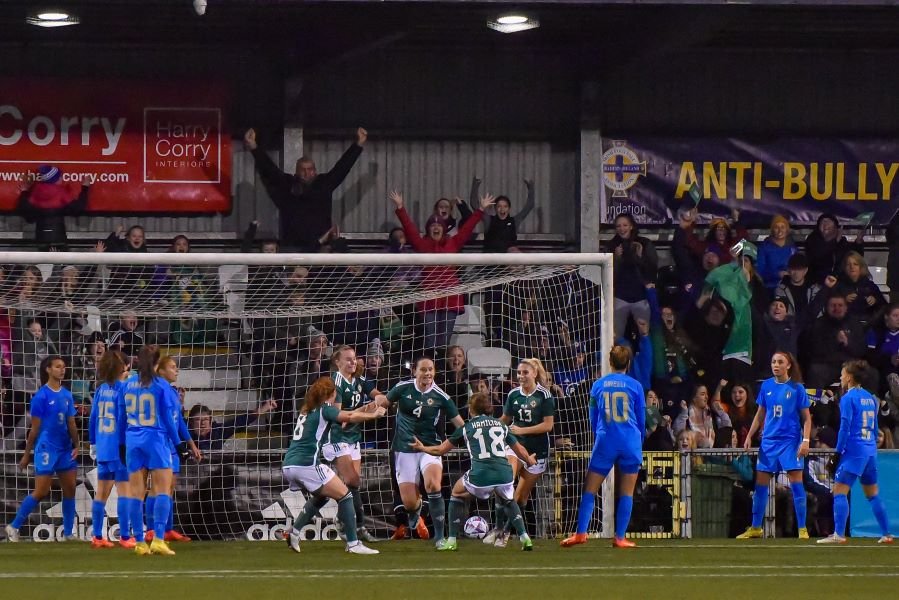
point(617, 416)
point(104, 437)
point(53, 428)
point(150, 430)
point(783, 407)
point(857, 453)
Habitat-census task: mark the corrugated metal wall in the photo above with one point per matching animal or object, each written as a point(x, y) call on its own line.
point(425, 171)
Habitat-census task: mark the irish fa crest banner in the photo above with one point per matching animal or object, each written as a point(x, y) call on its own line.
point(653, 178)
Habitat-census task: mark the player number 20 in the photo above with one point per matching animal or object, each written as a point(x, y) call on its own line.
point(497, 442)
point(146, 414)
point(616, 407)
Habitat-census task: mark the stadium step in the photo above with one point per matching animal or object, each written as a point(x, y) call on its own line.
point(209, 379)
point(223, 400)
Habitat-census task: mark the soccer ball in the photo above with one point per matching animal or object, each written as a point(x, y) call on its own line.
point(476, 527)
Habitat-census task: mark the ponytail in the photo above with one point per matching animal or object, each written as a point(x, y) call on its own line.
point(147, 358)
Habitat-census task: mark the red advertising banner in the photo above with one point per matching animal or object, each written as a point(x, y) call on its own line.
point(147, 147)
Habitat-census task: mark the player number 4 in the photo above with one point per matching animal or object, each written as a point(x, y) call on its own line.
point(417, 411)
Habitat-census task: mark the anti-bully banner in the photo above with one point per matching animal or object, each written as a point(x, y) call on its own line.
point(160, 147)
point(653, 178)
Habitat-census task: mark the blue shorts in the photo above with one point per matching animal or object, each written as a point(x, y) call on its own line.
point(779, 456)
point(49, 461)
point(606, 455)
point(857, 467)
point(111, 470)
point(148, 453)
point(176, 463)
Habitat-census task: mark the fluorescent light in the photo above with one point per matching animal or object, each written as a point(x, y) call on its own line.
point(512, 20)
point(52, 16)
point(512, 23)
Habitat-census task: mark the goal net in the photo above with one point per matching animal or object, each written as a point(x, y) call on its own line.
point(251, 332)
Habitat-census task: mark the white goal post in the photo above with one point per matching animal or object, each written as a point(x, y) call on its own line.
point(249, 331)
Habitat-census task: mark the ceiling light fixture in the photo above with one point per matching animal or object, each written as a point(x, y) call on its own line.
point(52, 18)
point(513, 23)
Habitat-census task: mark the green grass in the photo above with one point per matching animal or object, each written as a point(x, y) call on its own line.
point(694, 569)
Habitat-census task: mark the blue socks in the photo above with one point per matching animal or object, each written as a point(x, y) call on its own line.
point(585, 511)
point(68, 515)
point(170, 521)
point(161, 510)
point(150, 511)
point(27, 507)
point(840, 513)
point(97, 510)
point(123, 506)
point(880, 513)
point(759, 502)
point(799, 503)
point(623, 515)
point(137, 518)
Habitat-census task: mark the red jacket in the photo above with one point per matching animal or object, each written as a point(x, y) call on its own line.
point(439, 277)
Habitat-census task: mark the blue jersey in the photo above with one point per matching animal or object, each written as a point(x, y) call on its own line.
point(174, 402)
point(53, 408)
point(783, 404)
point(104, 429)
point(858, 424)
point(618, 409)
point(148, 410)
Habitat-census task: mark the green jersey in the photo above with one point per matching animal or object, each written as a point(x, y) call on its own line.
point(418, 413)
point(309, 435)
point(486, 439)
point(349, 397)
point(527, 411)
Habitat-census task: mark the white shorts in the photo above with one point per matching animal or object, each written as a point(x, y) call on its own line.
point(537, 469)
point(332, 451)
point(510, 452)
point(411, 465)
point(503, 490)
point(309, 478)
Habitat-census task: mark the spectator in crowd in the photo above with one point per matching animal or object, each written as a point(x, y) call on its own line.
point(885, 439)
point(883, 347)
point(26, 296)
point(28, 352)
point(454, 376)
point(892, 234)
point(672, 355)
point(133, 282)
point(46, 201)
point(818, 483)
point(826, 248)
point(248, 241)
point(709, 320)
point(700, 416)
point(659, 436)
point(132, 240)
point(187, 288)
point(500, 228)
point(778, 330)
point(527, 337)
point(641, 349)
point(799, 290)
point(864, 297)
point(720, 238)
point(574, 369)
point(87, 358)
point(211, 435)
point(304, 199)
point(740, 407)
point(835, 337)
point(737, 285)
point(775, 253)
point(635, 264)
point(126, 335)
point(439, 314)
point(444, 208)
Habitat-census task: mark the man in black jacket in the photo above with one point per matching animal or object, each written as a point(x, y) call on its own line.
point(304, 198)
point(835, 338)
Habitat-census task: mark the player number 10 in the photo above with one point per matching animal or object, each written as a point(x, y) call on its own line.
point(616, 406)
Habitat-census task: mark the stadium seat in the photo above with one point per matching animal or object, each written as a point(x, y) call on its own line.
point(223, 400)
point(208, 379)
point(489, 361)
point(879, 276)
point(471, 321)
point(233, 281)
point(467, 341)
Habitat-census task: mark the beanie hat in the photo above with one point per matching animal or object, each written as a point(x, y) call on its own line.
point(718, 221)
point(375, 349)
point(779, 219)
point(48, 174)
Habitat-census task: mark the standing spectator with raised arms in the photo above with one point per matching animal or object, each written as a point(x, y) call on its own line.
point(635, 264)
point(45, 201)
point(775, 253)
point(439, 314)
point(304, 199)
point(501, 228)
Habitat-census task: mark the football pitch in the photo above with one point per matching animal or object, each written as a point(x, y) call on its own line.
point(413, 569)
